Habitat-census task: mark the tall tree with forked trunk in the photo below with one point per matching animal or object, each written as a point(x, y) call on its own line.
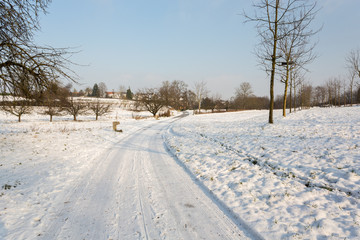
point(275, 20)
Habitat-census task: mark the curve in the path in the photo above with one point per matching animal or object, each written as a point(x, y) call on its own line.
point(138, 191)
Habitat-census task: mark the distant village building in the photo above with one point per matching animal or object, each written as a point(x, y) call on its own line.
point(121, 95)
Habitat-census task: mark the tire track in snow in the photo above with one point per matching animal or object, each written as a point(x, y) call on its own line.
point(138, 191)
point(308, 182)
point(140, 201)
point(63, 210)
point(221, 206)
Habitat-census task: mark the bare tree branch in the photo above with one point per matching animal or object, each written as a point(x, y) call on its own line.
point(26, 68)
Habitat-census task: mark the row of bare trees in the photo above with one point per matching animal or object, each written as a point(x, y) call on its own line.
point(176, 95)
point(54, 101)
point(334, 92)
point(20, 107)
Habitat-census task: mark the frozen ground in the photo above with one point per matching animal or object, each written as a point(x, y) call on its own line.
point(296, 179)
point(41, 161)
point(81, 180)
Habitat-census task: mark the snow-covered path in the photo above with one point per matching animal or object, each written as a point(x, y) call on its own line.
point(138, 191)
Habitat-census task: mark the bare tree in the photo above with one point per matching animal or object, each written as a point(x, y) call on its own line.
point(150, 98)
point(297, 78)
point(53, 109)
point(276, 20)
point(179, 89)
point(88, 91)
point(352, 76)
point(295, 47)
point(320, 95)
point(243, 93)
point(123, 92)
point(330, 90)
point(344, 91)
point(17, 107)
point(353, 61)
point(26, 68)
point(54, 99)
point(200, 92)
point(75, 108)
point(208, 104)
point(353, 64)
point(333, 86)
point(165, 92)
point(306, 92)
point(102, 89)
point(218, 102)
point(99, 109)
point(173, 94)
point(122, 89)
point(338, 90)
point(189, 100)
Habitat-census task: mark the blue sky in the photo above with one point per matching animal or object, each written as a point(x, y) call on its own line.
point(140, 43)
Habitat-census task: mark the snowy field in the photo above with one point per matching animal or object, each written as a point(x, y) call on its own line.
point(40, 161)
point(296, 179)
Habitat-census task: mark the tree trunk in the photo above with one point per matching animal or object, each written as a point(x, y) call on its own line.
point(294, 97)
point(271, 120)
point(291, 83)
point(286, 89)
point(50, 118)
point(273, 65)
point(74, 117)
point(344, 95)
point(301, 93)
point(19, 118)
